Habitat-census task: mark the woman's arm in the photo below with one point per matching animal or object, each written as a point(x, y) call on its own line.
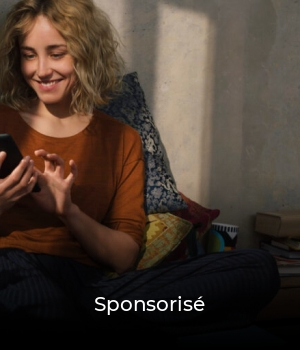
point(113, 248)
point(108, 246)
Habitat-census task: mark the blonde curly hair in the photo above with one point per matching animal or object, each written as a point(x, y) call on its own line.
point(91, 40)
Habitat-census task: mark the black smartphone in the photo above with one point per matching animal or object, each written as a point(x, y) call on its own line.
point(13, 157)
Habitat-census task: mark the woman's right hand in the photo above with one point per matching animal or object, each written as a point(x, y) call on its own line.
point(18, 184)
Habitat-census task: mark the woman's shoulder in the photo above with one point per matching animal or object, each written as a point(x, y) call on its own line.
point(111, 123)
point(111, 130)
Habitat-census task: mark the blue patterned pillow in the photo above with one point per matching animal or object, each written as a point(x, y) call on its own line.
point(161, 194)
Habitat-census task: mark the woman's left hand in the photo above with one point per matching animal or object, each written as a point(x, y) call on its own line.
point(55, 194)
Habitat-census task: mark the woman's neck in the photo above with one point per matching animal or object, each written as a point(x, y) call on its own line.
point(54, 123)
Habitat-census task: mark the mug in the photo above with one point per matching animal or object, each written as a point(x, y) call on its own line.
point(222, 237)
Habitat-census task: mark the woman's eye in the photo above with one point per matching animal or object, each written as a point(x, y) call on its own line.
point(28, 56)
point(57, 55)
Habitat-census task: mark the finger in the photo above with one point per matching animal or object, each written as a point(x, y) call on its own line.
point(40, 153)
point(53, 157)
point(2, 157)
point(73, 172)
point(58, 163)
point(50, 159)
point(32, 181)
point(19, 181)
point(44, 154)
point(73, 167)
point(19, 171)
point(28, 174)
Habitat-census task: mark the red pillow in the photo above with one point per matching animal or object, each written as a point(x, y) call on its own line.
point(198, 215)
point(202, 218)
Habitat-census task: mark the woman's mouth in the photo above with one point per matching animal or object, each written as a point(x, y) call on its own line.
point(49, 83)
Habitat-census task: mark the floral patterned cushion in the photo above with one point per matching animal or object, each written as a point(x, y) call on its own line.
point(161, 194)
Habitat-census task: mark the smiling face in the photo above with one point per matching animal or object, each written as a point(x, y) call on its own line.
point(47, 65)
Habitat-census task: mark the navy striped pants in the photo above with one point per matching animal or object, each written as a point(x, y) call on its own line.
point(232, 286)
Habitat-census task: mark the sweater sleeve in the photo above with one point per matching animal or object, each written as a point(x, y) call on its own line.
point(127, 213)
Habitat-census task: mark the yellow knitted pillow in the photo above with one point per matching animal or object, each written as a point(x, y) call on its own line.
point(163, 233)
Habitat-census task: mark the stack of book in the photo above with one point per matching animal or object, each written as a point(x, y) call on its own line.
point(281, 230)
point(287, 257)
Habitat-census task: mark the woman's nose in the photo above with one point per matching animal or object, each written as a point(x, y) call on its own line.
point(43, 68)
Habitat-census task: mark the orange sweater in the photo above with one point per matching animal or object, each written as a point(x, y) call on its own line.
point(109, 186)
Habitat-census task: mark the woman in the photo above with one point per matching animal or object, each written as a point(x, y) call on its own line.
point(60, 245)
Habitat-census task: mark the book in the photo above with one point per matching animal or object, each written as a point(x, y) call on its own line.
point(289, 270)
point(291, 254)
point(286, 261)
point(286, 243)
point(279, 244)
point(288, 267)
point(283, 223)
